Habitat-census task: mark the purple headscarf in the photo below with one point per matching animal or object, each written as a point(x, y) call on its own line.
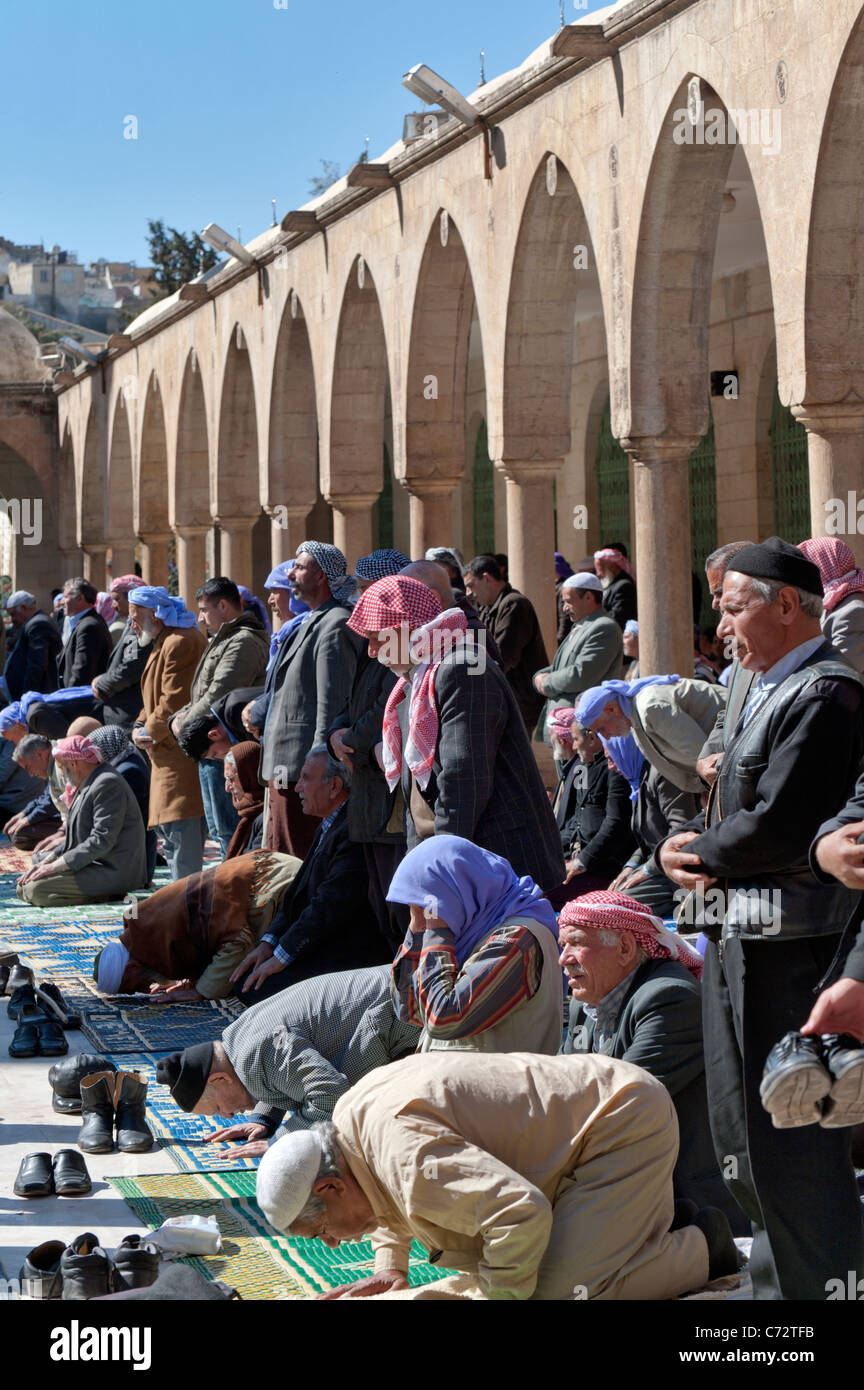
point(469, 888)
point(562, 569)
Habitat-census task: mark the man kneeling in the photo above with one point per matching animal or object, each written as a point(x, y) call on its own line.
point(541, 1177)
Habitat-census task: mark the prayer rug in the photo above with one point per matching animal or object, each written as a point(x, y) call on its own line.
point(14, 861)
point(144, 1027)
point(255, 1260)
point(181, 1135)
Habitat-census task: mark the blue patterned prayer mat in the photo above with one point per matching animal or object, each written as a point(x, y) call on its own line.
point(179, 1134)
point(139, 1026)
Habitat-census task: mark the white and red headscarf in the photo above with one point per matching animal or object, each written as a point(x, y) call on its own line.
point(77, 749)
point(125, 583)
point(617, 912)
point(616, 558)
point(404, 605)
point(837, 567)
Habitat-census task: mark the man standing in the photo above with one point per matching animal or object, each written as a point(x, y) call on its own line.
point(88, 650)
point(740, 679)
point(306, 687)
point(235, 656)
point(165, 625)
point(119, 688)
point(619, 588)
point(454, 739)
point(32, 663)
point(513, 623)
point(591, 653)
point(791, 762)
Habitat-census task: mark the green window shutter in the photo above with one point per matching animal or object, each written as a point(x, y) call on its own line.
point(703, 512)
point(484, 495)
point(790, 471)
point(613, 484)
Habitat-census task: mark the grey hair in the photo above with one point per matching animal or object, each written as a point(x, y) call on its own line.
point(332, 767)
point(719, 558)
point(611, 938)
point(768, 589)
point(329, 1167)
point(30, 744)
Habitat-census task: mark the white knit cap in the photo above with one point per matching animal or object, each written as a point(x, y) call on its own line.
point(113, 960)
point(583, 580)
point(285, 1177)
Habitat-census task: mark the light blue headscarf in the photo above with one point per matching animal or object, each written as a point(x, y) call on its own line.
point(593, 702)
point(469, 888)
point(253, 604)
point(628, 759)
point(17, 712)
point(172, 611)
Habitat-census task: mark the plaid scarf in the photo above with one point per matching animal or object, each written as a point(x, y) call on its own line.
point(432, 642)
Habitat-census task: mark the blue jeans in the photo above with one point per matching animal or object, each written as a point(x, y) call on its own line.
point(218, 806)
point(183, 843)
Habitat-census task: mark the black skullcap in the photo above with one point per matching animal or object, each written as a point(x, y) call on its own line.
point(185, 1073)
point(777, 559)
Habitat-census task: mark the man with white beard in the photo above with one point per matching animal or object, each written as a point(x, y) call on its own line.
point(165, 625)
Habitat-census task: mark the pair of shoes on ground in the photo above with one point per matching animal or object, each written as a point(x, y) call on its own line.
point(85, 1270)
point(814, 1080)
point(109, 1100)
point(63, 1176)
point(66, 1077)
point(23, 990)
point(723, 1257)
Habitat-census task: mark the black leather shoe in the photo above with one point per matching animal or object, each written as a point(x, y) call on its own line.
point(71, 1178)
point(85, 1268)
point(130, 1099)
point(97, 1112)
point(136, 1266)
point(20, 989)
point(844, 1057)
point(25, 1042)
point(722, 1250)
point(52, 1001)
point(52, 1040)
point(65, 1078)
point(40, 1273)
point(35, 1176)
point(795, 1081)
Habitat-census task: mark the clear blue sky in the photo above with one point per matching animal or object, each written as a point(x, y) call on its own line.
point(236, 100)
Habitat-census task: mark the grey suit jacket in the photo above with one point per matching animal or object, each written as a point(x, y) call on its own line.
point(485, 784)
point(307, 688)
point(659, 1028)
point(104, 846)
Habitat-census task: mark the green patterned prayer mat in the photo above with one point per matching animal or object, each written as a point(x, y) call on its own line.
point(255, 1260)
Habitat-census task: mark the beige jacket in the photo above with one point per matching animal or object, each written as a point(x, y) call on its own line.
point(671, 724)
point(466, 1152)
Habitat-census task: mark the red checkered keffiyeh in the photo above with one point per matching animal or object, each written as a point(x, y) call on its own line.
point(77, 749)
point(400, 603)
point(617, 559)
point(837, 567)
point(617, 912)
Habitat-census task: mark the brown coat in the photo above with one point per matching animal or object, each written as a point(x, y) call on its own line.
point(175, 792)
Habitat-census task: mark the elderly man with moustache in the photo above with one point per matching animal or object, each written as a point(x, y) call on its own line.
point(32, 662)
point(165, 626)
point(740, 679)
point(792, 759)
point(591, 652)
point(546, 1178)
point(636, 995)
point(119, 687)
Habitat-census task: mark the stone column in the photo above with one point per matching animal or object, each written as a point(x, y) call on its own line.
point(235, 548)
point(352, 524)
point(531, 539)
point(191, 561)
point(73, 563)
point(288, 529)
point(661, 503)
point(122, 558)
point(95, 564)
point(154, 561)
point(835, 445)
point(431, 512)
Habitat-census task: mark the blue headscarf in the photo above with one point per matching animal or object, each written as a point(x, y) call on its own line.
point(593, 702)
point(469, 888)
point(17, 712)
point(628, 759)
point(632, 627)
point(172, 611)
point(254, 605)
